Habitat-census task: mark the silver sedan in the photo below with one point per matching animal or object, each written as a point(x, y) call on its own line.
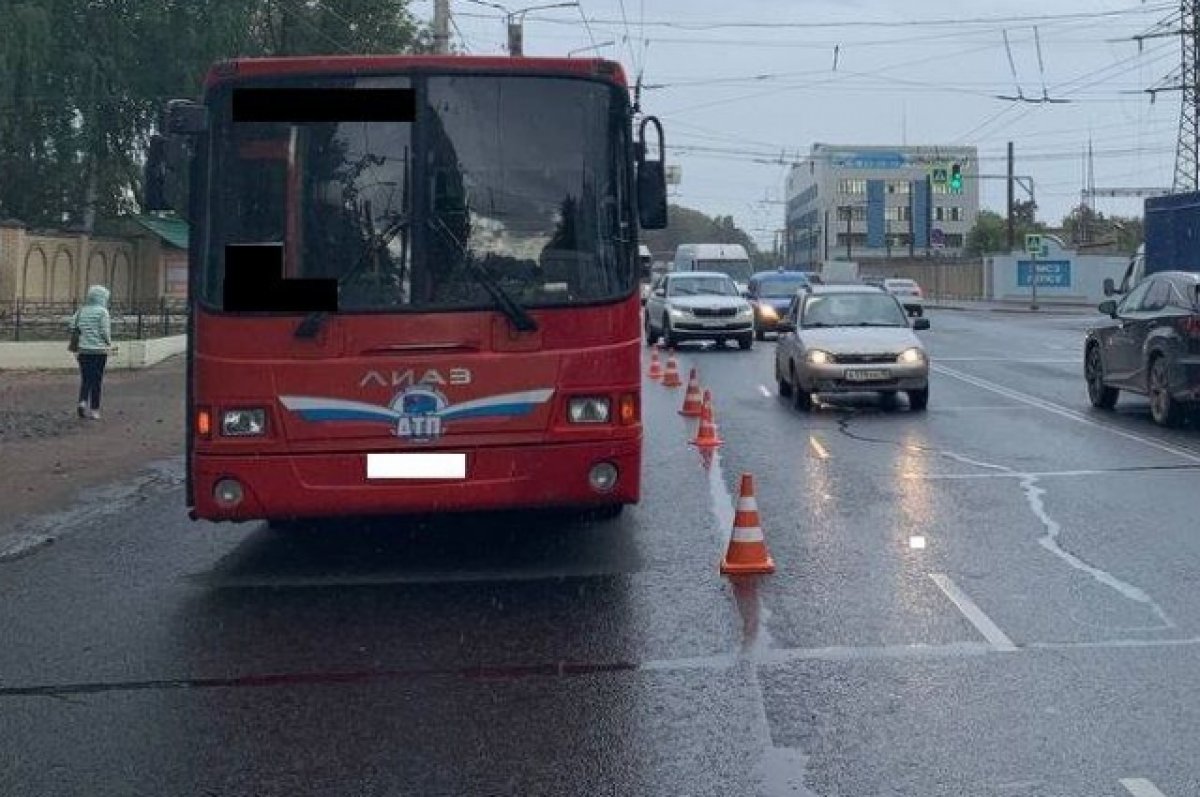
point(850, 339)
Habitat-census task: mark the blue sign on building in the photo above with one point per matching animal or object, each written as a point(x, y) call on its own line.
point(1050, 273)
point(869, 160)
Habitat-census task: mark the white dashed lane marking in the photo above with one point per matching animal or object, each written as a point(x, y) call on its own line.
point(983, 624)
point(1140, 787)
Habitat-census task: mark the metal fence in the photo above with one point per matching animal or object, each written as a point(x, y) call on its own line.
point(30, 321)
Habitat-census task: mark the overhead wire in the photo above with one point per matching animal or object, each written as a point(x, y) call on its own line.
point(929, 22)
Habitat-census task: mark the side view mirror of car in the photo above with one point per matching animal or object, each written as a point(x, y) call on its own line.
point(1109, 286)
point(661, 292)
point(1109, 307)
point(920, 323)
point(785, 326)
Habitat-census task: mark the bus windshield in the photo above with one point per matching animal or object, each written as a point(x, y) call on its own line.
point(737, 270)
point(520, 181)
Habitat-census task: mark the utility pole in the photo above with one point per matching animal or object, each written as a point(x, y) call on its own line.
point(516, 25)
point(1012, 228)
point(1187, 150)
point(516, 36)
point(441, 26)
point(849, 218)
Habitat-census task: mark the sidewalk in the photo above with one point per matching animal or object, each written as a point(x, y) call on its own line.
point(1011, 307)
point(48, 454)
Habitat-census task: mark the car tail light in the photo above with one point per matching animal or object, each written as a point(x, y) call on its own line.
point(1191, 326)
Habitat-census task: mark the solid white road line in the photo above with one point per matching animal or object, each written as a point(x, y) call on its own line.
point(764, 390)
point(1140, 787)
point(1064, 412)
point(983, 624)
point(1022, 360)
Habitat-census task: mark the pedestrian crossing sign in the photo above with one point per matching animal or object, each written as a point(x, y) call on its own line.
point(1033, 244)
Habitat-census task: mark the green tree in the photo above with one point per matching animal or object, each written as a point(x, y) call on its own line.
point(688, 226)
point(82, 82)
point(1088, 228)
point(990, 233)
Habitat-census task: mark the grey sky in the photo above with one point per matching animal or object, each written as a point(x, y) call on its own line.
point(739, 96)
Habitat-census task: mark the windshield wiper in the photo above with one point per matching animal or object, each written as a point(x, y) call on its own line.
point(877, 324)
point(311, 325)
point(517, 315)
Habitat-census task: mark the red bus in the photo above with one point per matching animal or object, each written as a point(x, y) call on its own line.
point(452, 318)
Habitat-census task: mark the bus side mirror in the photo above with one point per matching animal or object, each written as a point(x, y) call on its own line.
point(168, 160)
point(154, 178)
point(1109, 286)
point(651, 181)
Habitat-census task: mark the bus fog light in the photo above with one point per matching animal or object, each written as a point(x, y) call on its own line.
point(603, 477)
point(228, 493)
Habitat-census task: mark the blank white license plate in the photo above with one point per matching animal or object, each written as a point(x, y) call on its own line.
point(716, 322)
point(875, 375)
point(416, 466)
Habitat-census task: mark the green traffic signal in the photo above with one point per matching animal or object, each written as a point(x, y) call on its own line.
point(956, 180)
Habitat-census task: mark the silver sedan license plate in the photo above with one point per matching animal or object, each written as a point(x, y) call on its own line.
point(873, 375)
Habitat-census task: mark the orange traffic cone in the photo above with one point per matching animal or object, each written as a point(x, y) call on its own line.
point(671, 375)
point(693, 401)
point(747, 554)
point(706, 435)
point(656, 371)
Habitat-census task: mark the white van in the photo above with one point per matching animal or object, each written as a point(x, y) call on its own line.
point(729, 259)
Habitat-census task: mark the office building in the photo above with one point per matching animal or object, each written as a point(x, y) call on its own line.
point(867, 203)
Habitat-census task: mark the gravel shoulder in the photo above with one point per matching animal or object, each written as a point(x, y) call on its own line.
point(48, 455)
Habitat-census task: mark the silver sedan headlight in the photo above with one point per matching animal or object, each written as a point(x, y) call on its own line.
point(913, 356)
point(677, 312)
point(819, 357)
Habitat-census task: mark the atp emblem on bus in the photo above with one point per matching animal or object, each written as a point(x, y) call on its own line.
point(418, 411)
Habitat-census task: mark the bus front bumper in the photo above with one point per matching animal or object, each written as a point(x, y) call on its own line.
point(285, 486)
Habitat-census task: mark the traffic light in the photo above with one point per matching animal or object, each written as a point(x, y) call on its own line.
point(956, 179)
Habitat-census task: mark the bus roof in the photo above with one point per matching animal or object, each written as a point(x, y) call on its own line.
point(373, 64)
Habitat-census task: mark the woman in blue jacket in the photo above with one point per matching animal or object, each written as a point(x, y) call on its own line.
point(95, 341)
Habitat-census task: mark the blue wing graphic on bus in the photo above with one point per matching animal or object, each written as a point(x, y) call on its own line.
point(417, 411)
point(315, 409)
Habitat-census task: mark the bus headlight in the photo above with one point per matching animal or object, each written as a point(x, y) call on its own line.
point(589, 410)
point(243, 422)
point(768, 312)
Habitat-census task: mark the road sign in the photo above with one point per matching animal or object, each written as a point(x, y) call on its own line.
point(674, 175)
point(1033, 244)
point(939, 175)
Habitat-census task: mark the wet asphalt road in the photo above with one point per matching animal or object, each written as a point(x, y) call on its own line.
point(1042, 642)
